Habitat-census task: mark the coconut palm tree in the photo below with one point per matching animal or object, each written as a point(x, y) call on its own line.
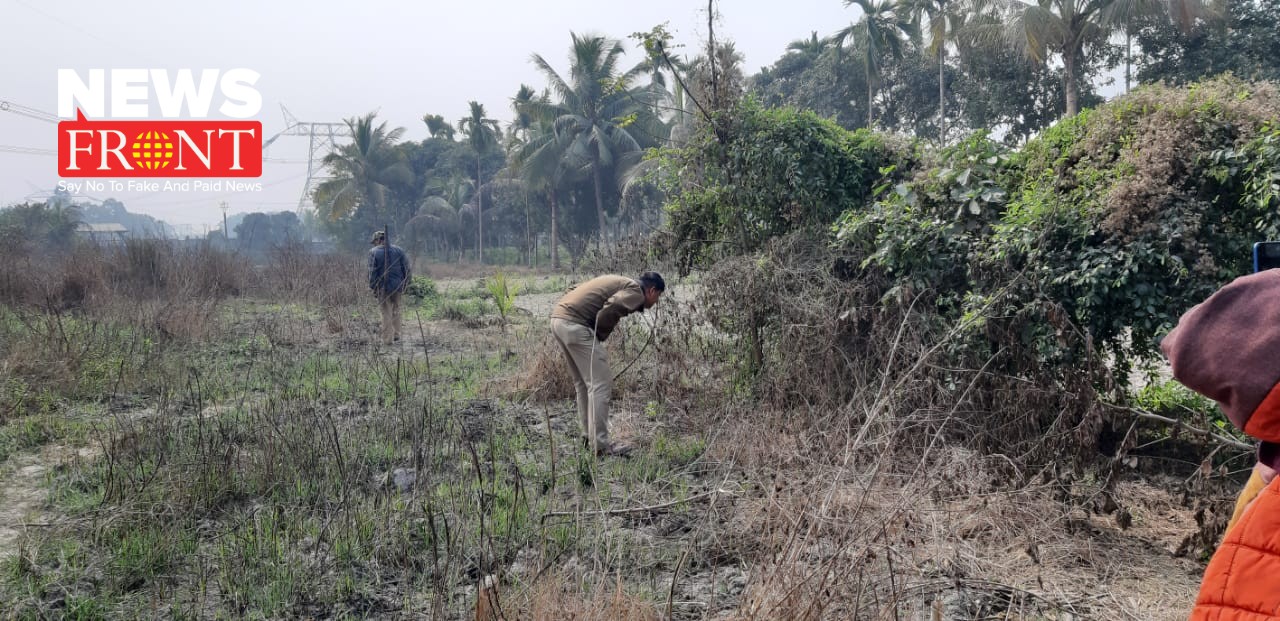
point(1067, 27)
point(598, 108)
point(364, 170)
point(883, 30)
point(723, 88)
point(810, 48)
point(518, 129)
point(664, 91)
point(482, 134)
point(943, 20)
point(543, 161)
point(438, 127)
point(441, 213)
point(518, 132)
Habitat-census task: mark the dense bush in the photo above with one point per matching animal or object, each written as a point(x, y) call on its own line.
point(1116, 222)
point(764, 173)
point(1127, 216)
point(920, 233)
point(1015, 290)
point(423, 288)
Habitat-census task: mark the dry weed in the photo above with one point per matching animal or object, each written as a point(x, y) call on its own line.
point(544, 376)
point(555, 597)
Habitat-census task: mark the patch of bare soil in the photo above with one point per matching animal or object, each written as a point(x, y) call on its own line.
point(23, 491)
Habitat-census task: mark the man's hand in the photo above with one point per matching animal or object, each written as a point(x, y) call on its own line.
point(1267, 473)
point(1259, 480)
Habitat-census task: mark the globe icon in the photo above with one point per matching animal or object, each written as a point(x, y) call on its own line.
point(152, 150)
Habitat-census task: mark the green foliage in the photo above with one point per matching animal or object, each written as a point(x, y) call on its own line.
point(821, 80)
point(922, 231)
point(1098, 235)
point(38, 223)
point(365, 172)
point(261, 231)
point(601, 117)
point(1132, 222)
point(468, 311)
point(1245, 41)
point(422, 288)
point(1257, 166)
point(776, 170)
point(987, 85)
point(141, 555)
point(502, 291)
point(1174, 400)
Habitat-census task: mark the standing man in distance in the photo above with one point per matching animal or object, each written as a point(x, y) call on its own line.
point(581, 322)
point(389, 276)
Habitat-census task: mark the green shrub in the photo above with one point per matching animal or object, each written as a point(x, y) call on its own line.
point(422, 288)
point(502, 291)
point(922, 231)
point(1124, 221)
point(765, 173)
point(1099, 234)
point(1172, 399)
point(466, 311)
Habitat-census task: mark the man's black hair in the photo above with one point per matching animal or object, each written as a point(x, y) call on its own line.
point(652, 279)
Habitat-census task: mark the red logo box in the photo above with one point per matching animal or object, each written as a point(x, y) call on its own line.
point(159, 149)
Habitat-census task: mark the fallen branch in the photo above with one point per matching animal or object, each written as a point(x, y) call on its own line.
point(1145, 415)
point(645, 509)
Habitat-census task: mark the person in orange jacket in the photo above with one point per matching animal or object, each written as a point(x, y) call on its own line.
point(1227, 348)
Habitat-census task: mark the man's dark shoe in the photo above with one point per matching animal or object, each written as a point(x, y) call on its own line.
point(614, 449)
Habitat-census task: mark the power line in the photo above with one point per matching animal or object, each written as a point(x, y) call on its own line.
point(72, 26)
point(16, 108)
point(6, 148)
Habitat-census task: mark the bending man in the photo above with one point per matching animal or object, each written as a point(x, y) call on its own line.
point(581, 321)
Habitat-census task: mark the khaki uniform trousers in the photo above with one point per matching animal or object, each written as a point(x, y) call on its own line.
point(390, 303)
point(589, 367)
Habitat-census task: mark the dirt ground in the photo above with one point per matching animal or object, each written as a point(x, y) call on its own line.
point(959, 550)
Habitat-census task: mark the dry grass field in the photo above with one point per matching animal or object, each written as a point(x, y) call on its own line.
point(186, 436)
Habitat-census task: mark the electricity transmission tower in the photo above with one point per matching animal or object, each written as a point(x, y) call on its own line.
point(324, 140)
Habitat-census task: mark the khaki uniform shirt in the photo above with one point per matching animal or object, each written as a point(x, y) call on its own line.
point(600, 302)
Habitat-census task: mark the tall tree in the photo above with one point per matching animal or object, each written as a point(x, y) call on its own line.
point(664, 91)
point(717, 84)
point(811, 48)
point(482, 134)
point(543, 161)
point(441, 212)
point(943, 21)
point(438, 127)
point(818, 85)
point(1068, 28)
point(597, 108)
point(260, 231)
point(882, 30)
point(364, 170)
point(54, 223)
point(1245, 41)
point(518, 132)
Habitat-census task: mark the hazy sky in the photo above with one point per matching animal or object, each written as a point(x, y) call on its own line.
point(329, 60)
